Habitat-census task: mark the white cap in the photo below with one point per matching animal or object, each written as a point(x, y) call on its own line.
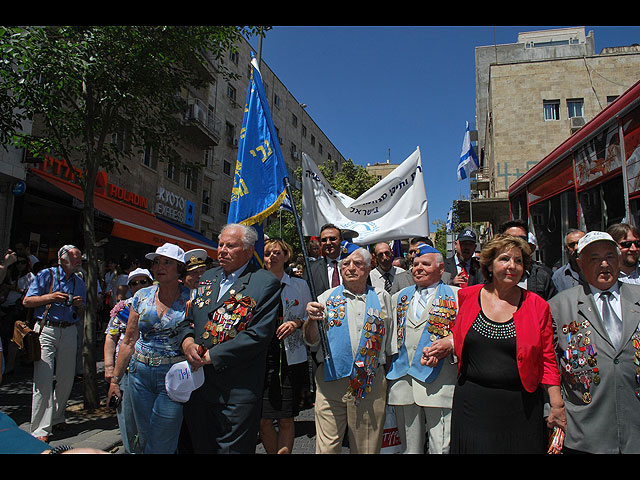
point(167, 250)
point(195, 258)
point(180, 381)
point(595, 236)
point(139, 272)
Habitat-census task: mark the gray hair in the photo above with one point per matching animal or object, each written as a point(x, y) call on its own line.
point(364, 253)
point(249, 235)
point(63, 253)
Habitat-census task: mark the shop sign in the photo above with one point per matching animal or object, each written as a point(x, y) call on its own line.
point(61, 169)
point(174, 207)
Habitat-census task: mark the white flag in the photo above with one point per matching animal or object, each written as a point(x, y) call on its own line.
point(468, 160)
point(393, 209)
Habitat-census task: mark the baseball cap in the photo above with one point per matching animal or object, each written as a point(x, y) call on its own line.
point(592, 237)
point(167, 250)
point(467, 235)
point(139, 271)
point(180, 381)
point(195, 258)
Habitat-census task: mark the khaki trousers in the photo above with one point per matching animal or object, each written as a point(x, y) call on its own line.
point(58, 360)
point(415, 422)
point(335, 412)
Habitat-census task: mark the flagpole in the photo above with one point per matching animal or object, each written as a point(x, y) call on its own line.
point(324, 341)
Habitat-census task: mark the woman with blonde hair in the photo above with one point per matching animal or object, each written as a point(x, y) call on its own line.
point(287, 366)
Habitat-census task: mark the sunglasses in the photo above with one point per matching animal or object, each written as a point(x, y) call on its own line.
point(139, 282)
point(328, 239)
point(628, 243)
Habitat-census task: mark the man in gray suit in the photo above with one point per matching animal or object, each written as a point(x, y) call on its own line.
point(228, 329)
point(598, 349)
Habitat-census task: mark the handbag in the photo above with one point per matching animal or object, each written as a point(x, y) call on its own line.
point(391, 442)
point(28, 339)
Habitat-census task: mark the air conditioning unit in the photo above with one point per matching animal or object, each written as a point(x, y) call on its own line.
point(577, 123)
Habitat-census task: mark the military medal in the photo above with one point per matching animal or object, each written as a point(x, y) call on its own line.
point(580, 363)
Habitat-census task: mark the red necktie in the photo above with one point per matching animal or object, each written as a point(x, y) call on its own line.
point(335, 280)
point(463, 270)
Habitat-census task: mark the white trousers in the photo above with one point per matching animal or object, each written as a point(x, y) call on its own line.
point(57, 361)
point(415, 422)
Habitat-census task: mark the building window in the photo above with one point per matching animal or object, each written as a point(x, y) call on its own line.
point(189, 179)
point(205, 201)
point(224, 207)
point(172, 170)
point(208, 158)
point(276, 100)
point(551, 110)
point(226, 167)
point(575, 107)
point(231, 92)
point(234, 56)
point(148, 157)
point(304, 131)
point(294, 120)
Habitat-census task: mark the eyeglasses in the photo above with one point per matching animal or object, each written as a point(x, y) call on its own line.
point(628, 243)
point(328, 239)
point(135, 283)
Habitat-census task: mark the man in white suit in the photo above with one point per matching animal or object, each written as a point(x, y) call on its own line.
point(422, 375)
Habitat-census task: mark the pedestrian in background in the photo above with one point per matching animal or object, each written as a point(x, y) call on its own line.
point(119, 316)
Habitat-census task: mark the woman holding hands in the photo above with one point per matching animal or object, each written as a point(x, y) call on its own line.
point(503, 339)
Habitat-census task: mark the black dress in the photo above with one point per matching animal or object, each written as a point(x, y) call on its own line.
point(492, 412)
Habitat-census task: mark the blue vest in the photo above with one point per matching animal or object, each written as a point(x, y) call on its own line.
point(443, 307)
point(362, 369)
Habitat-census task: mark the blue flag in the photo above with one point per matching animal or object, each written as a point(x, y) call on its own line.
point(468, 160)
point(258, 184)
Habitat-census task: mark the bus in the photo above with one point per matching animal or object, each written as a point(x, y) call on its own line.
point(589, 182)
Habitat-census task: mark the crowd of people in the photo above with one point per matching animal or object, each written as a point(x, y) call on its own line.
point(487, 351)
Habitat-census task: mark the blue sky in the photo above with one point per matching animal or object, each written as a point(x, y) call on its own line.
point(376, 91)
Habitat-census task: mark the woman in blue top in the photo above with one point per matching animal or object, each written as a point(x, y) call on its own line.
point(150, 347)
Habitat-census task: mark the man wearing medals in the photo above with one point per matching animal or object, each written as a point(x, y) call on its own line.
point(227, 331)
point(598, 350)
point(423, 373)
point(351, 384)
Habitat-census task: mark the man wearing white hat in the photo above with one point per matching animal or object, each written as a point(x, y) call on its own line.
point(598, 350)
point(196, 264)
point(57, 296)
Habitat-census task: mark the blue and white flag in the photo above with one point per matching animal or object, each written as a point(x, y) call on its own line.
point(468, 159)
point(450, 220)
point(258, 184)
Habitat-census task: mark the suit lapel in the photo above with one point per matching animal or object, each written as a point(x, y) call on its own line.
point(238, 286)
point(630, 308)
point(587, 308)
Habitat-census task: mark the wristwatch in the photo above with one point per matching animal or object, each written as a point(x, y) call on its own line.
point(117, 379)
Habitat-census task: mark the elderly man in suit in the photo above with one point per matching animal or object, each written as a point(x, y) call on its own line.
point(351, 386)
point(228, 328)
point(463, 267)
point(423, 373)
point(598, 349)
point(324, 272)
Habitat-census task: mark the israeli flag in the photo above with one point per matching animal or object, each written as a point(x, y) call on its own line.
point(468, 159)
point(450, 221)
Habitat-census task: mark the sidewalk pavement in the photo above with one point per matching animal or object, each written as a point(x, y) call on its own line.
point(99, 429)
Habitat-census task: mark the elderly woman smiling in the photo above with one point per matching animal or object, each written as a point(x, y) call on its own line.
point(150, 347)
point(503, 339)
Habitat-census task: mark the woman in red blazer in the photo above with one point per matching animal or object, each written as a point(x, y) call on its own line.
point(503, 339)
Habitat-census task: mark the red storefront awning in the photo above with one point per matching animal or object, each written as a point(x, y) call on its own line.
point(131, 223)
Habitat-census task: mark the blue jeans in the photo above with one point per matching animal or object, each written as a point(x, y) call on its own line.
point(157, 417)
point(126, 421)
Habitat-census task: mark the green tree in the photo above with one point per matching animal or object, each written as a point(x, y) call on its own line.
point(86, 83)
point(352, 180)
